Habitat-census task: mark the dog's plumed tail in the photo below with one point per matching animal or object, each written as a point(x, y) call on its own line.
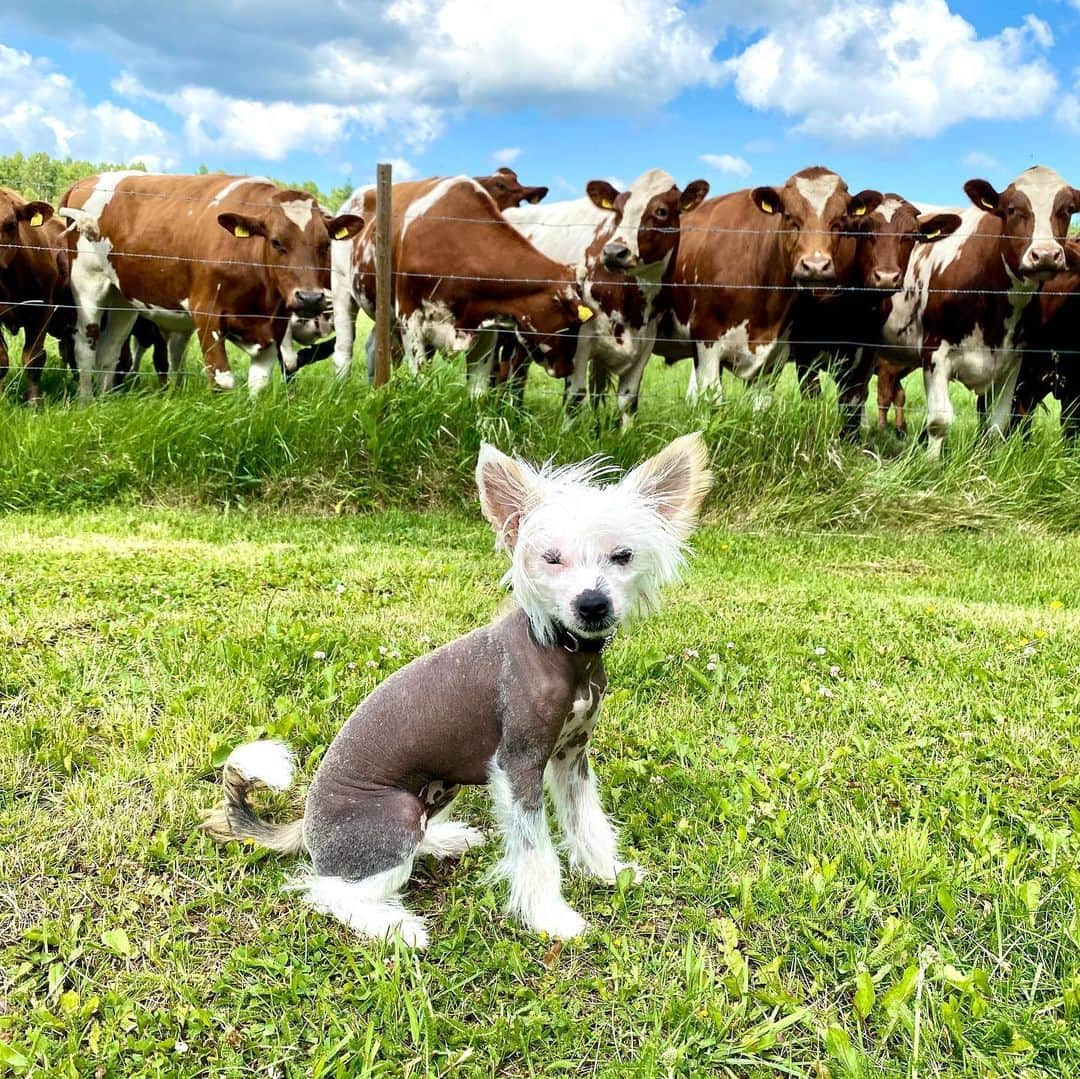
point(251, 767)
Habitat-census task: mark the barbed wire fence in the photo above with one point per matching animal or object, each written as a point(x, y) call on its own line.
point(386, 274)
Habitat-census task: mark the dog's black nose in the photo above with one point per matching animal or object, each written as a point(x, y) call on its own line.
point(593, 606)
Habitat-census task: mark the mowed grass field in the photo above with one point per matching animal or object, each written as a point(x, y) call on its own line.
point(849, 767)
point(847, 752)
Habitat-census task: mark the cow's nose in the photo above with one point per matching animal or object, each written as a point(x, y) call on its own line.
point(308, 303)
point(818, 267)
point(617, 256)
point(887, 279)
point(1045, 257)
point(593, 607)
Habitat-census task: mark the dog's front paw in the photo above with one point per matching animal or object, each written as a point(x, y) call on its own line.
point(558, 920)
point(638, 873)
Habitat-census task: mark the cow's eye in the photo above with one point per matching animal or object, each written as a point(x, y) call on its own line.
point(622, 556)
point(553, 558)
point(661, 213)
point(278, 246)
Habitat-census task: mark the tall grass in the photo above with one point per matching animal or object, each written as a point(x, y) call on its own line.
point(331, 447)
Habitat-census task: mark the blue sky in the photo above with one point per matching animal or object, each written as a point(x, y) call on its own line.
point(908, 95)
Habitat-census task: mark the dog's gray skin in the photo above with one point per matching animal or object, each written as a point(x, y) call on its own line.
point(508, 705)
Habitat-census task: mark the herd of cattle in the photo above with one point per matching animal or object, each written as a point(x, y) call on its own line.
point(589, 288)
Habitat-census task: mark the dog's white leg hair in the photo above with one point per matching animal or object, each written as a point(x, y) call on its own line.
point(590, 839)
point(529, 863)
point(371, 907)
point(449, 839)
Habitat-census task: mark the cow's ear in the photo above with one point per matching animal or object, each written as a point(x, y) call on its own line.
point(865, 203)
point(508, 173)
point(937, 227)
point(1072, 254)
point(241, 225)
point(693, 195)
point(36, 213)
point(1074, 203)
point(535, 194)
point(602, 194)
point(767, 200)
point(983, 195)
point(344, 226)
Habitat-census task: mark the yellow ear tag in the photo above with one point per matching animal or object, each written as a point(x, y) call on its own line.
point(767, 206)
point(342, 233)
point(584, 313)
point(987, 205)
point(608, 204)
point(933, 235)
point(241, 233)
point(860, 210)
point(37, 221)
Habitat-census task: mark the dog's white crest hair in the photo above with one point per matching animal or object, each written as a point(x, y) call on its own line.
point(650, 510)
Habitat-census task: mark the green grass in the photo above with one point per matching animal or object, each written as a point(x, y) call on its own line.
point(328, 448)
point(860, 821)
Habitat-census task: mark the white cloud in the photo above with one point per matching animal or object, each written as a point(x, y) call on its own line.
point(728, 164)
point(874, 70)
point(42, 110)
point(217, 123)
point(979, 160)
point(506, 156)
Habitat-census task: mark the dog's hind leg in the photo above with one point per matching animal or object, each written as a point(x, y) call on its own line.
point(362, 850)
point(591, 843)
point(445, 838)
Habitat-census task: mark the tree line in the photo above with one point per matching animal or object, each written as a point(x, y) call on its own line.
point(39, 176)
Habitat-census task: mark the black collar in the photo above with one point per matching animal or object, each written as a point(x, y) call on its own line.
point(571, 642)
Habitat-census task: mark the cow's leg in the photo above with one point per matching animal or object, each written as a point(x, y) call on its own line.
point(117, 330)
point(263, 362)
point(706, 380)
point(34, 356)
point(577, 385)
point(899, 401)
point(211, 335)
point(1000, 402)
point(346, 310)
point(176, 345)
point(886, 390)
point(629, 392)
point(480, 362)
point(3, 358)
point(90, 302)
point(939, 409)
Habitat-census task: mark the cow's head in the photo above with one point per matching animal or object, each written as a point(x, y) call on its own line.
point(296, 235)
point(816, 210)
point(17, 219)
point(1034, 211)
point(646, 219)
point(887, 235)
point(548, 322)
point(504, 187)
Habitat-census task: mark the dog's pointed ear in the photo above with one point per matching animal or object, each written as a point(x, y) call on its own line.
point(506, 486)
point(675, 481)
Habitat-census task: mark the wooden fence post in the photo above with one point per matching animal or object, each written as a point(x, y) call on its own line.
point(384, 295)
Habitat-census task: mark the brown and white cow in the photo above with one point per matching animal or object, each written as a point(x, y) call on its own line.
point(959, 314)
point(742, 260)
point(461, 271)
point(843, 326)
point(230, 258)
point(34, 295)
point(623, 247)
point(1051, 356)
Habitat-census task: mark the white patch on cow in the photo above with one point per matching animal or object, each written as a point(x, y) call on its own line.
point(185, 303)
point(422, 205)
point(563, 231)
point(642, 191)
point(299, 212)
point(734, 349)
point(818, 190)
point(889, 207)
point(215, 335)
point(233, 185)
point(225, 380)
point(1042, 187)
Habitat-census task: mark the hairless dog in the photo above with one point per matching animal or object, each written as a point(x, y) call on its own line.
point(510, 705)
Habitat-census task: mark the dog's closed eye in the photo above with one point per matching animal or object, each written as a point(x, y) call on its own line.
point(552, 558)
point(621, 556)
